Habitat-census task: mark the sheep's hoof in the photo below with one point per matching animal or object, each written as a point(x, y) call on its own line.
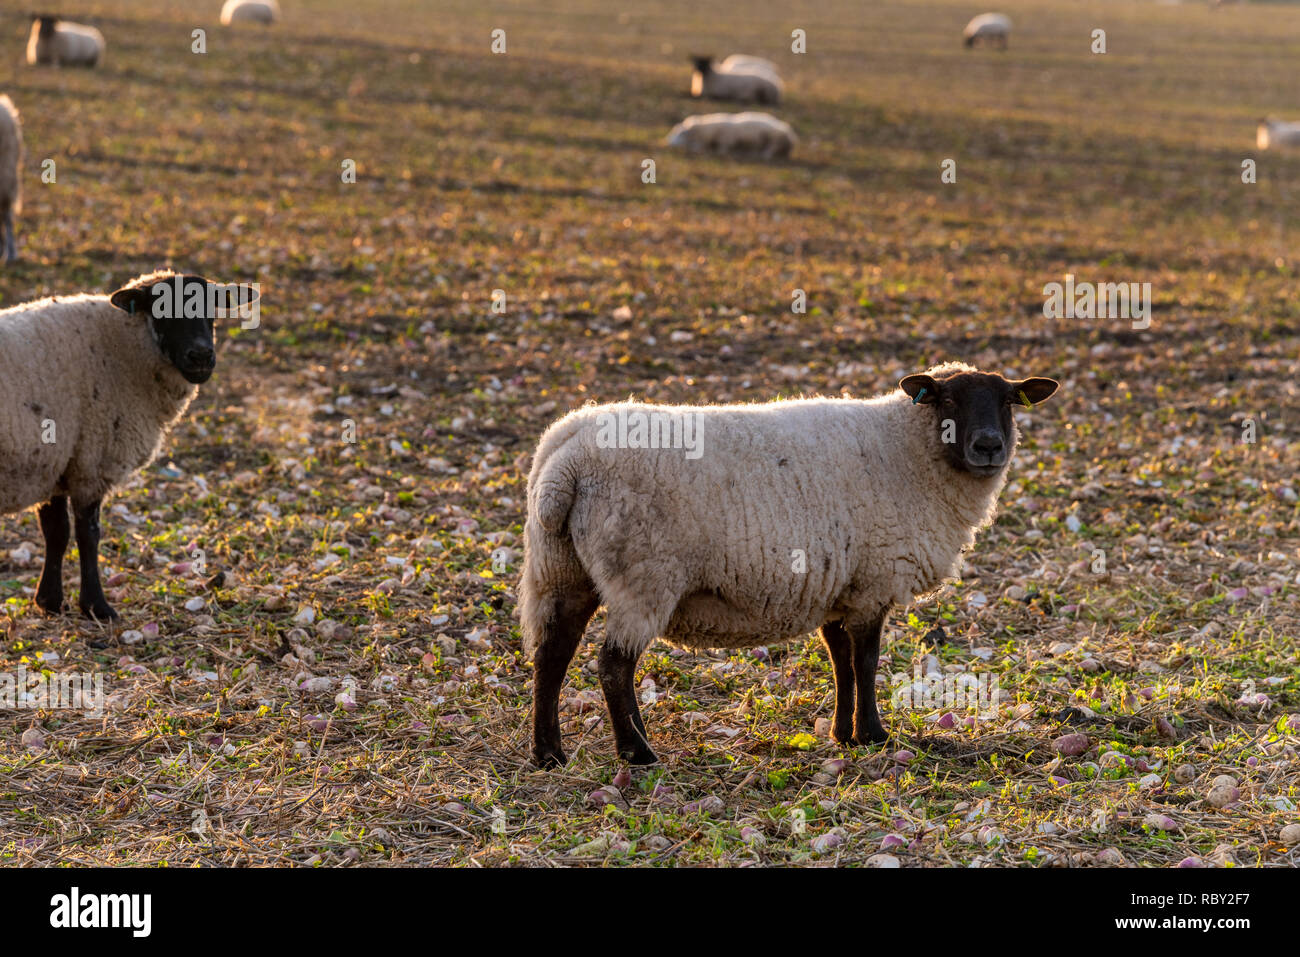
point(874, 735)
point(100, 611)
point(50, 604)
point(547, 757)
point(638, 755)
point(842, 735)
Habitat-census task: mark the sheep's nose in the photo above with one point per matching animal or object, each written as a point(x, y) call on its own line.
point(987, 443)
point(200, 357)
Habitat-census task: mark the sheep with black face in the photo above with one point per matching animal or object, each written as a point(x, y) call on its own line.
point(773, 521)
point(57, 42)
point(89, 387)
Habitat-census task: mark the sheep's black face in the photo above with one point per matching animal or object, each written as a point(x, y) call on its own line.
point(181, 312)
point(974, 414)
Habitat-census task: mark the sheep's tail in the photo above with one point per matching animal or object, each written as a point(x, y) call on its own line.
point(551, 565)
point(553, 482)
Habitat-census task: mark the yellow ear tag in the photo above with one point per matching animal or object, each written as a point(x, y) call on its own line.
point(1024, 400)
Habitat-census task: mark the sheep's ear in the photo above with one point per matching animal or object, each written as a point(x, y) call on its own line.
point(136, 300)
point(1029, 392)
point(921, 387)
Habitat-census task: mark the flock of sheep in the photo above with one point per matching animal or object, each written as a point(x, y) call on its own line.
point(876, 499)
point(750, 79)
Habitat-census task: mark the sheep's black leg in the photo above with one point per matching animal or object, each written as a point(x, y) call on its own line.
point(564, 627)
point(92, 601)
point(840, 647)
point(617, 679)
point(867, 727)
point(53, 516)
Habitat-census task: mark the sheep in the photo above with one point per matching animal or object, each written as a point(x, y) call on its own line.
point(739, 525)
point(1271, 134)
point(988, 28)
point(743, 81)
point(11, 162)
point(58, 42)
point(252, 11)
point(89, 386)
point(737, 134)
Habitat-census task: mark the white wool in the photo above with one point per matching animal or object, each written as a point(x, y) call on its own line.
point(1272, 133)
point(11, 159)
point(73, 44)
point(251, 11)
point(97, 375)
point(738, 134)
point(704, 551)
point(743, 81)
point(988, 26)
point(742, 62)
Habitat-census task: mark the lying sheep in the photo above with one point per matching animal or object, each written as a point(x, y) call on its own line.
point(89, 385)
point(60, 43)
point(1273, 133)
point(251, 11)
point(988, 29)
point(739, 525)
point(743, 81)
point(11, 164)
point(736, 134)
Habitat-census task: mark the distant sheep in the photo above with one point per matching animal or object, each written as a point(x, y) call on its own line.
point(735, 134)
point(11, 164)
point(55, 42)
point(250, 11)
point(1272, 134)
point(89, 386)
point(988, 29)
point(739, 525)
point(744, 81)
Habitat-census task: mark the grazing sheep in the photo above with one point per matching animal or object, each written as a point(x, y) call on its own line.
point(11, 162)
point(60, 43)
point(251, 11)
point(745, 82)
point(736, 134)
point(738, 525)
point(89, 385)
point(988, 28)
point(1273, 133)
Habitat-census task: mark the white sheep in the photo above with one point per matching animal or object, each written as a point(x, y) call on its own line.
point(1270, 134)
point(61, 43)
point(250, 11)
point(736, 134)
point(740, 525)
point(988, 28)
point(743, 80)
point(11, 164)
point(89, 386)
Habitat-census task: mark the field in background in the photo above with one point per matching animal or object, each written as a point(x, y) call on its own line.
point(369, 565)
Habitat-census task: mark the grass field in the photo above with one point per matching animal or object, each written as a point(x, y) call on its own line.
point(369, 565)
